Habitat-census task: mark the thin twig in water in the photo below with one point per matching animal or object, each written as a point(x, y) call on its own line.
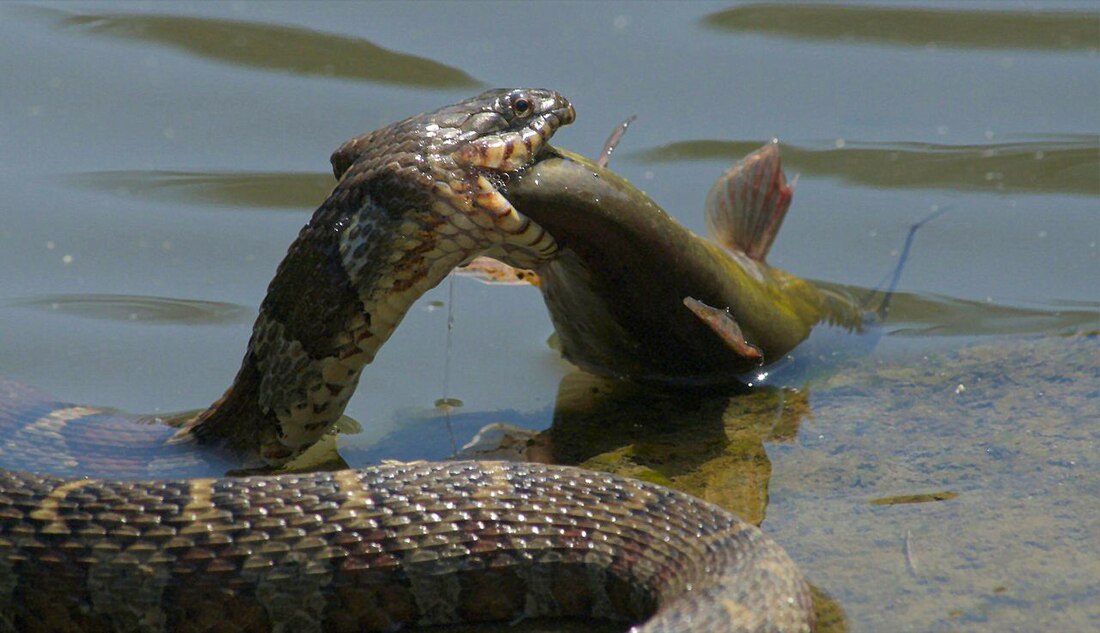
point(446, 399)
point(910, 558)
point(895, 276)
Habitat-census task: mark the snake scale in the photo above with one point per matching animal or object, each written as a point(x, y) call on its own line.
point(109, 525)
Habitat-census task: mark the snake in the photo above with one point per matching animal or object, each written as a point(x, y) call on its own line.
point(112, 523)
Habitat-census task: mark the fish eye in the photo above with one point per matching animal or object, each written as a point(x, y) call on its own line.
point(521, 106)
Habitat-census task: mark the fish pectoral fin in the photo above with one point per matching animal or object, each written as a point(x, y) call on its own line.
point(491, 271)
point(725, 326)
point(747, 204)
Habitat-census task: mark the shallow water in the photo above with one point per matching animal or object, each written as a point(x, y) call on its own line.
point(160, 158)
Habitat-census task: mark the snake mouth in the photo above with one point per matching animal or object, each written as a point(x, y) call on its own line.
point(513, 152)
point(537, 150)
point(526, 244)
point(496, 159)
point(511, 134)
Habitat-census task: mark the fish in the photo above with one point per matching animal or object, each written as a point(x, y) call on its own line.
point(633, 294)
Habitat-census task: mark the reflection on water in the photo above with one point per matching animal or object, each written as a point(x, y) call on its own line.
point(265, 190)
point(280, 48)
point(150, 310)
point(94, 442)
point(1057, 165)
point(427, 433)
point(905, 26)
point(929, 497)
point(950, 471)
point(709, 443)
point(930, 314)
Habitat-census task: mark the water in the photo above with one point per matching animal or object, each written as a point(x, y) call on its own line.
point(160, 158)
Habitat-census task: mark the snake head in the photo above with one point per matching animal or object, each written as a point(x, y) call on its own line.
point(463, 155)
point(476, 145)
point(500, 130)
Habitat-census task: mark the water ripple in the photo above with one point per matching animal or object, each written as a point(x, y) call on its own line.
point(281, 48)
point(270, 190)
point(905, 26)
point(1064, 164)
point(145, 309)
point(931, 314)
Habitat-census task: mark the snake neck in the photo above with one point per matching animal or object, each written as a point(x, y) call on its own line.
point(343, 287)
point(403, 215)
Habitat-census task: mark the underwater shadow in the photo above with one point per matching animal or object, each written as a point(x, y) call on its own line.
point(709, 444)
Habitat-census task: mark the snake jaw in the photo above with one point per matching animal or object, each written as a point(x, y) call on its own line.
point(486, 139)
point(497, 137)
point(513, 151)
point(506, 144)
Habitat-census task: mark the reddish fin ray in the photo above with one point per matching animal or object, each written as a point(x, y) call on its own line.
point(747, 204)
point(725, 327)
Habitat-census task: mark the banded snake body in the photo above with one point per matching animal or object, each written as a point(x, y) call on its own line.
point(140, 532)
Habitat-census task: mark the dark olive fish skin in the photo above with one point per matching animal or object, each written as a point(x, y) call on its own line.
point(617, 288)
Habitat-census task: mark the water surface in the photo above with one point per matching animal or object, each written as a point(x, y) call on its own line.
point(161, 157)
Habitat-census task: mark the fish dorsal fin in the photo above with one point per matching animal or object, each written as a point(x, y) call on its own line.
point(613, 141)
point(746, 205)
point(725, 326)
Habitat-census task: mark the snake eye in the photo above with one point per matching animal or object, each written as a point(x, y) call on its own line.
point(521, 106)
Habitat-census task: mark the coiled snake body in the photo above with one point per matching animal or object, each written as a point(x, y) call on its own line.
point(83, 548)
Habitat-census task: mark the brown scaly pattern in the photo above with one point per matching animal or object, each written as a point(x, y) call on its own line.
point(415, 199)
point(382, 547)
point(376, 548)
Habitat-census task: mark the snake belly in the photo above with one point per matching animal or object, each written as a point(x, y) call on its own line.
point(379, 548)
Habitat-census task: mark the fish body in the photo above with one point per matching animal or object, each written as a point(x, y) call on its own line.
point(625, 289)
